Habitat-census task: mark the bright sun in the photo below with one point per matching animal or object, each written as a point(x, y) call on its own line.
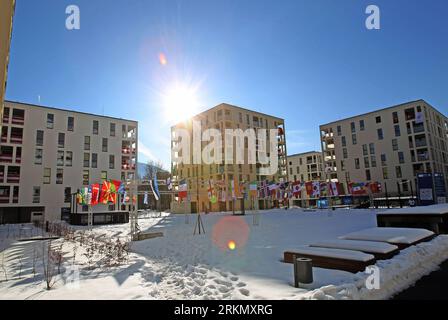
point(180, 102)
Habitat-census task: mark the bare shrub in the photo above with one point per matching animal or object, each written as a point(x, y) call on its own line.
point(48, 264)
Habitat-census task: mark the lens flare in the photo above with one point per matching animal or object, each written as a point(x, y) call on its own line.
point(232, 245)
point(230, 231)
point(162, 59)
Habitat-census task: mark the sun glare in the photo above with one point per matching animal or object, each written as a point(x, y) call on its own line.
point(180, 103)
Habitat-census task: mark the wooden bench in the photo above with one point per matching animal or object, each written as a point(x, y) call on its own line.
point(346, 260)
point(401, 237)
point(380, 250)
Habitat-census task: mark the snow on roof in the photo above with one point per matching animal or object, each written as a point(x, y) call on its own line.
point(391, 235)
point(435, 209)
point(333, 253)
point(369, 246)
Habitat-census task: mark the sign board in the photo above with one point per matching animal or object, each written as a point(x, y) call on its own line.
point(425, 189)
point(439, 187)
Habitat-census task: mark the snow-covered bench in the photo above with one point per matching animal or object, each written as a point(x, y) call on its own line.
point(401, 237)
point(380, 250)
point(434, 218)
point(347, 260)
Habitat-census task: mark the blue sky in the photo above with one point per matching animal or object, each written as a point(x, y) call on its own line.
point(310, 62)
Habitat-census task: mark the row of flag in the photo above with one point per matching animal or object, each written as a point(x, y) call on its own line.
point(217, 190)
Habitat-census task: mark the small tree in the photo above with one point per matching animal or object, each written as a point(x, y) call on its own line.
point(48, 264)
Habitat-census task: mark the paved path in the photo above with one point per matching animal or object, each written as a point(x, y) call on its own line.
point(431, 287)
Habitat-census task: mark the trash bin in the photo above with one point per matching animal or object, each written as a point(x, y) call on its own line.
point(303, 271)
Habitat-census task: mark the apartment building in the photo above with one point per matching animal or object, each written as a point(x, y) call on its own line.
point(389, 145)
point(222, 117)
point(47, 154)
point(7, 8)
point(306, 166)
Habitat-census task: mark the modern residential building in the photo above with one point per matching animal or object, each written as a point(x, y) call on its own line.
point(306, 166)
point(6, 16)
point(222, 117)
point(389, 145)
point(47, 154)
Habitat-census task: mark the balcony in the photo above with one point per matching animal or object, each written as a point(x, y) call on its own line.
point(420, 141)
point(13, 175)
point(4, 194)
point(6, 154)
point(16, 136)
point(18, 117)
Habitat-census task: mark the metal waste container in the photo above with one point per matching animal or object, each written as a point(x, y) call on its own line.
point(303, 271)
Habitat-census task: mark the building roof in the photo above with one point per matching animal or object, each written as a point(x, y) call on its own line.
point(67, 110)
point(380, 110)
point(233, 106)
point(303, 153)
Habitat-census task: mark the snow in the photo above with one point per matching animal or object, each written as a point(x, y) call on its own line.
point(438, 209)
point(391, 235)
point(368, 246)
point(333, 253)
point(181, 265)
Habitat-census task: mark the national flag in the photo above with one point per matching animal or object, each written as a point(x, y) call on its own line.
point(183, 189)
point(95, 194)
point(357, 188)
point(309, 188)
point(375, 187)
point(323, 188)
point(253, 189)
point(316, 189)
point(296, 189)
point(105, 192)
point(334, 188)
point(156, 187)
point(169, 184)
point(145, 199)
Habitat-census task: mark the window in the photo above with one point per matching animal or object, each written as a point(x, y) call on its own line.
point(112, 129)
point(103, 175)
point(373, 161)
point(362, 125)
point(394, 144)
point(36, 194)
point(368, 176)
point(86, 160)
point(70, 124)
point(39, 138)
point(378, 119)
point(67, 195)
point(357, 164)
point(372, 148)
point(383, 160)
point(61, 140)
point(240, 117)
point(60, 159)
point(398, 172)
point(353, 127)
point(397, 130)
point(364, 150)
point(85, 177)
point(95, 127)
point(105, 145)
point(354, 141)
point(366, 162)
point(86, 143)
point(343, 141)
point(345, 153)
point(247, 119)
point(38, 156)
point(385, 175)
point(380, 134)
point(401, 157)
point(47, 175)
point(94, 160)
point(59, 176)
point(50, 121)
point(112, 162)
point(69, 158)
point(395, 117)
point(339, 129)
point(342, 165)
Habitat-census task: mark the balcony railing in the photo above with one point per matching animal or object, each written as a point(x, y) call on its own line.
point(4, 198)
point(16, 139)
point(13, 178)
point(18, 120)
point(6, 158)
point(4, 139)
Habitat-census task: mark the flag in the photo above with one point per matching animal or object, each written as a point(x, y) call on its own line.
point(125, 198)
point(357, 188)
point(183, 189)
point(95, 194)
point(169, 184)
point(105, 192)
point(296, 189)
point(145, 199)
point(316, 189)
point(156, 187)
point(122, 188)
point(253, 189)
point(323, 188)
point(309, 188)
point(419, 118)
point(334, 190)
point(375, 187)
point(113, 192)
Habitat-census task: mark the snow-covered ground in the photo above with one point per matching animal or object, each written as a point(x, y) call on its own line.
point(181, 265)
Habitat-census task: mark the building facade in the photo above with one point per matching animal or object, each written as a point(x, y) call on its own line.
point(389, 146)
point(306, 166)
point(7, 8)
point(47, 154)
point(222, 117)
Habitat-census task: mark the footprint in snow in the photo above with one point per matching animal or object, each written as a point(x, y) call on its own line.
point(241, 284)
point(245, 292)
point(234, 278)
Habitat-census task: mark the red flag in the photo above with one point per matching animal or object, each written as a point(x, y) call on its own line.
point(105, 192)
point(95, 194)
point(309, 188)
point(296, 189)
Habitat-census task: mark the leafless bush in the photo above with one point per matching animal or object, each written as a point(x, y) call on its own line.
point(48, 264)
point(35, 257)
point(2, 261)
